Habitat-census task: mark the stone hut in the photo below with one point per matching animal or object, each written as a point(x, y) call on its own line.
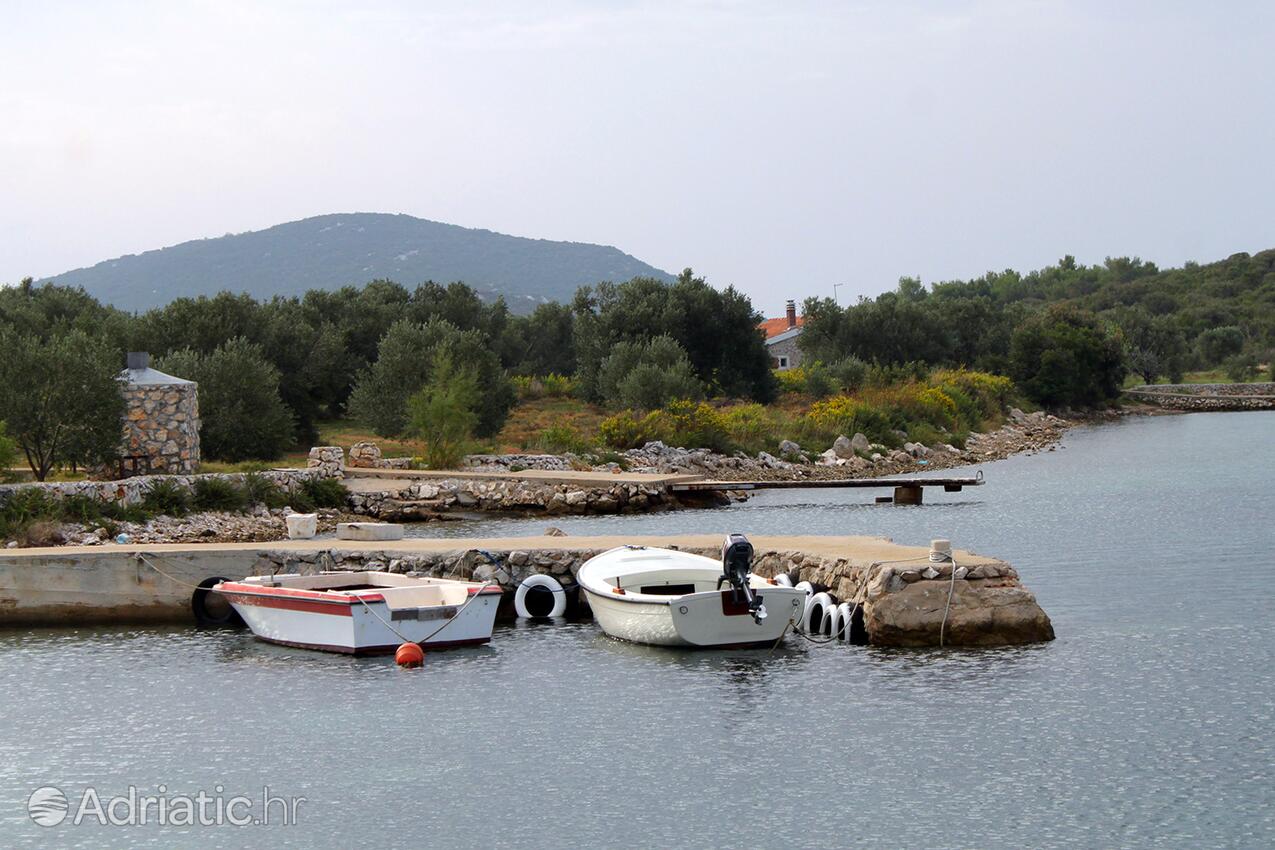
point(161, 421)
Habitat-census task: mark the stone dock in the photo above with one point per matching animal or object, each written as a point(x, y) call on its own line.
point(900, 595)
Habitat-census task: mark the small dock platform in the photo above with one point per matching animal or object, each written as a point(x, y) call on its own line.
point(907, 491)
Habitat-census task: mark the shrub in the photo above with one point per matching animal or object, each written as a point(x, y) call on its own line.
point(850, 373)
point(557, 439)
point(8, 454)
point(889, 374)
point(1241, 368)
point(260, 490)
point(647, 375)
point(406, 355)
point(1064, 356)
point(682, 423)
point(218, 494)
point(166, 497)
point(622, 431)
point(544, 386)
point(752, 427)
point(1217, 344)
point(792, 380)
point(819, 381)
point(442, 412)
point(324, 492)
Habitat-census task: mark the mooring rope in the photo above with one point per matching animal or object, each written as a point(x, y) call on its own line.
point(142, 557)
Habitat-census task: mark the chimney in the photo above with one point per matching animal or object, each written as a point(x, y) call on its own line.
point(792, 314)
point(139, 360)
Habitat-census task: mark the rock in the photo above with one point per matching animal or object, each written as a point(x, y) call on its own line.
point(365, 455)
point(789, 449)
point(842, 447)
point(302, 526)
point(860, 443)
point(911, 614)
point(576, 498)
point(829, 458)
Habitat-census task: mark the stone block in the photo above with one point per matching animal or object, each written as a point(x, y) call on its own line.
point(369, 531)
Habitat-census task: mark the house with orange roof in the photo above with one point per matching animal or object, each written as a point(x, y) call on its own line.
point(781, 338)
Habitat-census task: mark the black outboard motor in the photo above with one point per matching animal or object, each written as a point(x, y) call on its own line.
point(737, 560)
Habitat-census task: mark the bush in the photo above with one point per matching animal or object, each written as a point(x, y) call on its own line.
point(442, 412)
point(752, 427)
point(648, 375)
point(8, 454)
point(850, 373)
point(260, 490)
point(1063, 357)
point(791, 380)
point(324, 492)
point(544, 386)
point(686, 424)
point(819, 381)
point(218, 494)
point(1216, 345)
point(1241, 368)
point(166, 497)
point(242, 415)
point(557, 439)
point(406, 356)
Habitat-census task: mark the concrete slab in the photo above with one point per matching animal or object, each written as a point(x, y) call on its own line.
point(369, 531)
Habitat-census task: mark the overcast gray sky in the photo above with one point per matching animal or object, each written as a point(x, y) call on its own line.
point(782, 147)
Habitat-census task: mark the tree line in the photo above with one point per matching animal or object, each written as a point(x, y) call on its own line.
point(270, 371)
point(1067, 333)
point(401, 359)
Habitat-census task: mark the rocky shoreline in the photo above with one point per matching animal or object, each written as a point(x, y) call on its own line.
point(849, 457)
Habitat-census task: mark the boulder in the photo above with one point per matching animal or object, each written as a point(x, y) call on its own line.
point(904, 610)
point(860, 443)
point(843, 447)
point(789, 449)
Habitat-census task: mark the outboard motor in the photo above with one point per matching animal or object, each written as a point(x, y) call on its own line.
point(737, 560)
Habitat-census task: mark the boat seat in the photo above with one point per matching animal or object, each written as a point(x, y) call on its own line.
point(412, 597)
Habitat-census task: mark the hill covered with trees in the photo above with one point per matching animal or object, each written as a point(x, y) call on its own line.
point(330, 251)
point(1158, 323)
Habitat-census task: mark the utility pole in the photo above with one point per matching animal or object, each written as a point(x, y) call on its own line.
point(835, 287)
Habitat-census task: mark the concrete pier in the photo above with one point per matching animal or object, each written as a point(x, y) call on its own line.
point(894, 585)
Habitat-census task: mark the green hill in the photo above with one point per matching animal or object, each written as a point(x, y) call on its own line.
point(330, 251)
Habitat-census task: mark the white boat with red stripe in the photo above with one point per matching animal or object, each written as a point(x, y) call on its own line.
point(364, 613)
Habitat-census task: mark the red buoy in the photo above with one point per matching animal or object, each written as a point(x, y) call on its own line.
point(409, 655)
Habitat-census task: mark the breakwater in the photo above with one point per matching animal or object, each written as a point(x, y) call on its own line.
point(1205, 397)
point(899, 594)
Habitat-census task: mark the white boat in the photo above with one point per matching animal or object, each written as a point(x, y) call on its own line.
point(670, 598)
point(363, 613)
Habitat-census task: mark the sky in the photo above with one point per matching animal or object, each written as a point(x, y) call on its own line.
point(781, 147)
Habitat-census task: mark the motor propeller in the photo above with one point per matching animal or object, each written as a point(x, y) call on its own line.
point(737, 560)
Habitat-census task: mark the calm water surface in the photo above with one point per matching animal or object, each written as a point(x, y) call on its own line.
point(1148, 723)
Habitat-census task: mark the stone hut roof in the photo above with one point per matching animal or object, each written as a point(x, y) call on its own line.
point(149, 376)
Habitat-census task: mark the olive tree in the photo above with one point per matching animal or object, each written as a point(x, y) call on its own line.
point(61, 399)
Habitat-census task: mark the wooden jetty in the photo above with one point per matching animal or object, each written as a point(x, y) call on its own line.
point(907, 491)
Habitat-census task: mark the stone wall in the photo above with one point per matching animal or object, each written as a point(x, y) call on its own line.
point(1259, 396)
point(786, 348)
point(131, 491)
point(430, 497)
point(161, 429)
point(902, 603)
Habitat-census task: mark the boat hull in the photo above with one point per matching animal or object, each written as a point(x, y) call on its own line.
point(362, 629)
point(705, 620)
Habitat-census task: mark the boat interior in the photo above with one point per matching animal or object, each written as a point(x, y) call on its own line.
point(673, 581)
point(399, 591)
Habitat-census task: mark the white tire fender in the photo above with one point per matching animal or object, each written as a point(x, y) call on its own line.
point(550, 585)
